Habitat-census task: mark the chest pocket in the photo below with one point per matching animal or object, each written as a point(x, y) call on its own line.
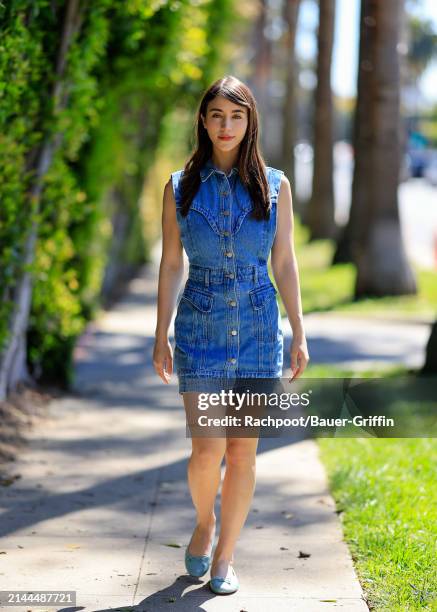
point(199, 208)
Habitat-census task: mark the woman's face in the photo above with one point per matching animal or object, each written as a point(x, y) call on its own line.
point(225, 122)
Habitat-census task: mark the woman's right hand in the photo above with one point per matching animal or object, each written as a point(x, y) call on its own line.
point(163, 359)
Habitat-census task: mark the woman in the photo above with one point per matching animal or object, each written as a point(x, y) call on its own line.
point(229, 212)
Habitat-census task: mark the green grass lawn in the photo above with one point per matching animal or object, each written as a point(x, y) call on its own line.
point(386, 497)
point(327, 288)
point(323, 370)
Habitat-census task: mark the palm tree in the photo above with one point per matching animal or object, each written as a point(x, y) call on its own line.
point(290, 14)
point(430, 365)
point(320, 212)
point(373, 235)
point(262, 65)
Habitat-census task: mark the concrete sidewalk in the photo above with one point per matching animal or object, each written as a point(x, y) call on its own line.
point(102, 506)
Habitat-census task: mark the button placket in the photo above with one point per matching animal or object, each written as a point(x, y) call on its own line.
point(230, 273)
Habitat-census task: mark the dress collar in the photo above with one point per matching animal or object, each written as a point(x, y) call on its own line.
point(209, 168)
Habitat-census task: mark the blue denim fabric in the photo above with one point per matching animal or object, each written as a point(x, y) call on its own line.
point(227, 323)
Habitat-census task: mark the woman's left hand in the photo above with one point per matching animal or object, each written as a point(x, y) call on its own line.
point(299, 356)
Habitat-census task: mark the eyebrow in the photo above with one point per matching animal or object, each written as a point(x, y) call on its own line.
point(237, 110)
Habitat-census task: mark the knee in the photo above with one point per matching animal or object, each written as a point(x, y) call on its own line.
point(240, 455)
point(207, 458)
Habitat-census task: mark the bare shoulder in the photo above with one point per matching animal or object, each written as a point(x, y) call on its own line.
point(285, 181)
point(168, 192)
point(284, 195)
point(169, 185)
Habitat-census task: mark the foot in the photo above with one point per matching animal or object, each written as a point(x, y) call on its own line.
point(220, 567)
point(199, 551)
point(202, 540)
point(224, 583)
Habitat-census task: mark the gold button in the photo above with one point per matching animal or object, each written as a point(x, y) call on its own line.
point(233, 360)
point(225, 193)
point(232, 303)
point(234, 332)
point(226, 213)
point(225, 233)
point(229, 254)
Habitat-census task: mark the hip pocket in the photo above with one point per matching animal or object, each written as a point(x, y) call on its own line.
point(265, 313)
point(265, 325)
point(193, 326)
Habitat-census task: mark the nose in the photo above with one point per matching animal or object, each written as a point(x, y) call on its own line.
point(226, 122)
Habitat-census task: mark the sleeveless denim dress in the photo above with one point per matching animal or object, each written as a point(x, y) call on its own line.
point(227, 324)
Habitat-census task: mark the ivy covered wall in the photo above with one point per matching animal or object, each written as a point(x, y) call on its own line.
point(85, 88)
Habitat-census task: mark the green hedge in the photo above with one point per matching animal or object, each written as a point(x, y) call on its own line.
point(130, 63)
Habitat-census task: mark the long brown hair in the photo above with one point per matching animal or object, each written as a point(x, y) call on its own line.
point(251, 166)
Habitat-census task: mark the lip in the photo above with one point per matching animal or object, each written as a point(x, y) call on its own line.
point(226, 137)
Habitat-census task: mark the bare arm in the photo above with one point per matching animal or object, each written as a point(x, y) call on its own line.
point(170, 275)
point(286, 273)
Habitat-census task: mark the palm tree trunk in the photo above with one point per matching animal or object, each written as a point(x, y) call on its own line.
point(430, 365)
point(262, 67)
point(373, 235)
point(361, 136)
point(291, 13)
point(320, 211)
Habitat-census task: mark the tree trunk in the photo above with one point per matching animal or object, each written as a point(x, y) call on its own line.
point(320, 211)
point(373, 234)
point(291, 13)
point(430, 366)
point(361, 139)
point(263, 66)
point(13, 360)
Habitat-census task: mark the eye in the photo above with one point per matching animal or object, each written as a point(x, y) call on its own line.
point(214, 115)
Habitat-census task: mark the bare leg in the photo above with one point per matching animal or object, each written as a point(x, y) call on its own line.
point(237, 493)
point(204, 476)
